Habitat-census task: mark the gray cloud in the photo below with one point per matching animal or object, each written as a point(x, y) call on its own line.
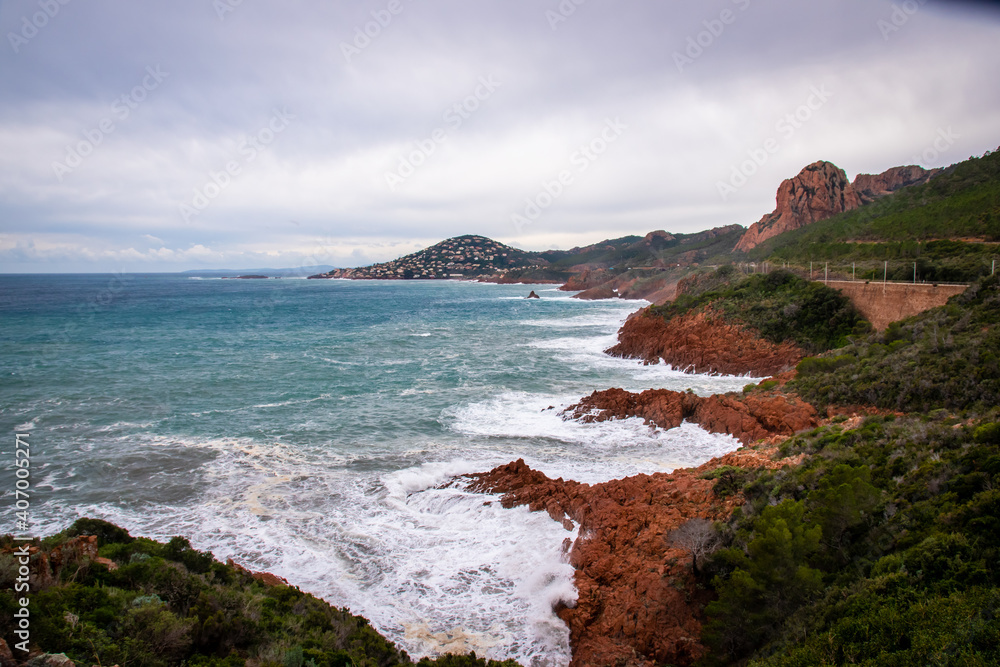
point(700, 86)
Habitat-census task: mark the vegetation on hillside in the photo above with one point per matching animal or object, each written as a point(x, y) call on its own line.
point(878, 550)
point(780, 306)
point(950, 226)
point(945, 358)
point(628, 252)
point(169, 604)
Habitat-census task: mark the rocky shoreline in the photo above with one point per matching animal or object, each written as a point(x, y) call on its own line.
point(635, 555)
point(702, 342)
point(638, 602)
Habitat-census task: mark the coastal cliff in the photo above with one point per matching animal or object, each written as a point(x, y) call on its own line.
point(841, 505)
point(98, 595)
point(702, 342)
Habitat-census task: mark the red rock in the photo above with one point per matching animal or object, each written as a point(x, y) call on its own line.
point(637, 603)
point(6, 656)
point(703, 342)
point(597, 293)
point(748, 417)
point(822, 190)
point(107, 562)
point(46, 567)
point(586, 279)
point(871, 187)
point(265, 578)
point(819, 191)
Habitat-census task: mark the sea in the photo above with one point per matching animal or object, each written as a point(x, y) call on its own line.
point(319, 429)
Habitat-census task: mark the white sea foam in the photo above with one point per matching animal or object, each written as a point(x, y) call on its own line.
point(435, 568)
point(623, 447)
point(416, 392)
point(261, 406)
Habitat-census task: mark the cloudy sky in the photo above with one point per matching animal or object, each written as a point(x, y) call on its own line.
point(163, 136)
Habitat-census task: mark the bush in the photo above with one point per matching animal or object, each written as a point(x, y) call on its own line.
point(878, 549)
point(170, 605)
point(942, 359)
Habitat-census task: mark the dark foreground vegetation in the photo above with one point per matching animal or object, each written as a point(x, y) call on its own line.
point(780, 306)
point(169, 604)
point(881, 547)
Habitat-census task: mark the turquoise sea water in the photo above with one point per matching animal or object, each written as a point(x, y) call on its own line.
point(306, 428)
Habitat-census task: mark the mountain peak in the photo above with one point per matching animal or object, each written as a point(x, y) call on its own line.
point(822, 190)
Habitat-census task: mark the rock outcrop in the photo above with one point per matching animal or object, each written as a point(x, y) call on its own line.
point(637, 603)
point(585, 279)
point(46, 566)
point(819, 191)
point(6, 656)
point(748, 417)
point(822, 190)
point(703, 342)
point(870, 187)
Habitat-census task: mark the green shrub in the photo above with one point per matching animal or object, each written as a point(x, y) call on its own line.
point(878, 549)
point(943, 359)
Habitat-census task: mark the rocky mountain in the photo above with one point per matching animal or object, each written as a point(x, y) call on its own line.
point(821, 191)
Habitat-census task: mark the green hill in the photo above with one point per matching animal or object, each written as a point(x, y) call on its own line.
point(779, 306)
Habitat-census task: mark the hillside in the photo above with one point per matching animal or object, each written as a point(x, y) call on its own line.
point(877, 549)
point(946, 221)
point(949, 226)
point(102, 597)
point(460, 257)
point(637, 267)
point(822, 190)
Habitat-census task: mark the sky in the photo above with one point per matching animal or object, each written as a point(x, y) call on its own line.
point(192, 134)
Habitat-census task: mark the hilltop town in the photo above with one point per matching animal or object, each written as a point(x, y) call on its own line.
point(467, 256)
